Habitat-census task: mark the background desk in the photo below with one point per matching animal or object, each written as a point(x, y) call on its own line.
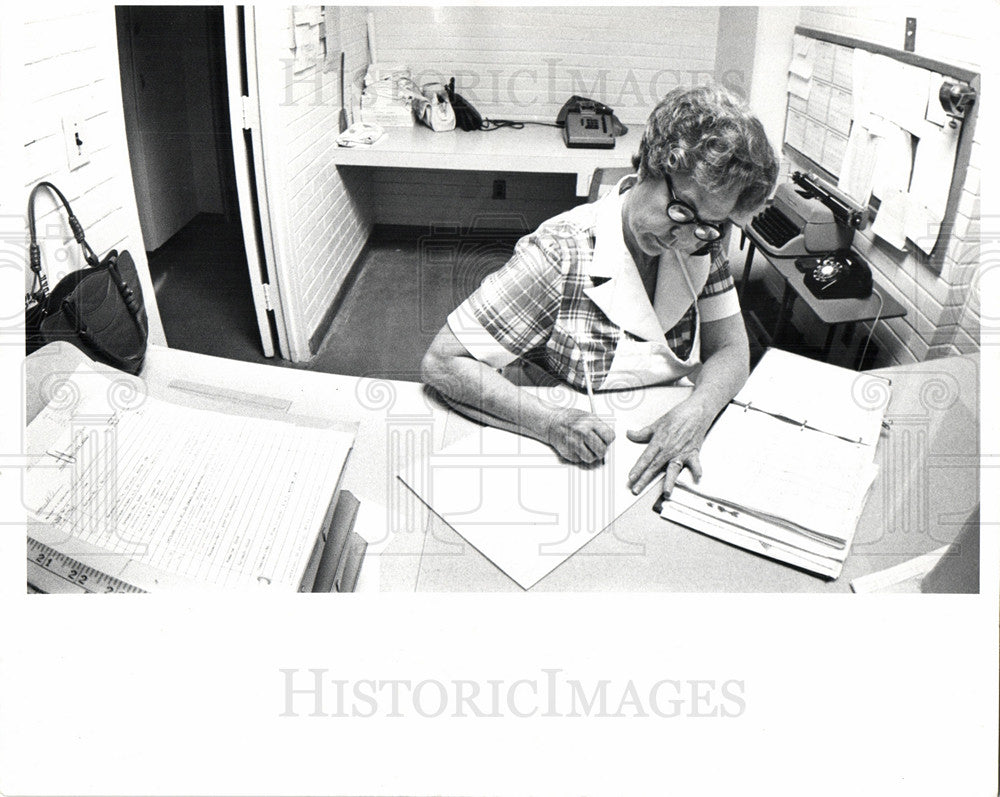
point(534, 148)
point(926, 489)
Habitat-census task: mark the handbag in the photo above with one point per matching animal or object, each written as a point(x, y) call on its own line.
point(98, 308)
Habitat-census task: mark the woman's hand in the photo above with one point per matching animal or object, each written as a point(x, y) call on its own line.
point(578, 436)
point(673, 444)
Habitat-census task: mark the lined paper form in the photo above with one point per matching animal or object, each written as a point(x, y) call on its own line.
point(214, 498)
point(784, 473)
point(839, 401)
point(789, 463)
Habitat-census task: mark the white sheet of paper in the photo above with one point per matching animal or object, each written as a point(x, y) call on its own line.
point(834, 149)
point(894, 161)
point(935, 111)
point(795, 130)
point(814, 140)
point(904, 577)
point(798, 86)
point(837, 400)
point(216, 499)
point(839, 113)
point(736, 535)
point(802, 45)
point(933, 165)
point(843, 67)
point(519, 505)
point(801, 66)
point(776, 468)
point(860, 81)
point(819, 102)
point(823, 53)
point(891, 221)
point(883, 76)
point(858, 166)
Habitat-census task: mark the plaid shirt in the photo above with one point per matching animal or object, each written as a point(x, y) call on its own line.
point(535, 306)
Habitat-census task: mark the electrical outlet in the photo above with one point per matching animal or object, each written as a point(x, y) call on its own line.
point(77, 141)
point(499, 189)
point(910, 35)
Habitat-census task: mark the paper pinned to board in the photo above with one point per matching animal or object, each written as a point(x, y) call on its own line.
point(860, 86)
point(823, 65)
point(935, 110)
point(858, 166)
point(895, 159)
point(802, 45)
point(798, 86)
point(891, 220)
point(933, 164)
point(843, 67)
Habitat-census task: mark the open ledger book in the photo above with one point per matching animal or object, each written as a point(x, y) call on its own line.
point(788, 464)
point(164, 496)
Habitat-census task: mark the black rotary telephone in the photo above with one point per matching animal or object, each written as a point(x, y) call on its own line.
point(840, 275)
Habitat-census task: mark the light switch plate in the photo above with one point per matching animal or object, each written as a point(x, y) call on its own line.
point(77, 141)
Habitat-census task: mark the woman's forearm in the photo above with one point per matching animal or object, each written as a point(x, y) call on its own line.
point(481, 393)
point(725, 367)
point(476, 390)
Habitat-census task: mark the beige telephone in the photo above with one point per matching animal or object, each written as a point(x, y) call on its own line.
point(433, 108)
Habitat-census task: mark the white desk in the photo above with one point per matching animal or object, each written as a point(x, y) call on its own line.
point(926, 489)
point(533, 148)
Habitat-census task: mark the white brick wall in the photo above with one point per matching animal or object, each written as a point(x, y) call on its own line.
point(939, 316)
point(71, 61)
point(523, 62)
point(321, 218)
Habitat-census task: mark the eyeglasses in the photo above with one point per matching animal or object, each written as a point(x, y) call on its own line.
point(683, 213)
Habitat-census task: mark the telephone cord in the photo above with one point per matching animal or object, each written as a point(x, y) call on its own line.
point(871, 329)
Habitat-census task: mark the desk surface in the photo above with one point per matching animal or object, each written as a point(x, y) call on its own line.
point(534, 148)
point(832, 311)
point(926, 489)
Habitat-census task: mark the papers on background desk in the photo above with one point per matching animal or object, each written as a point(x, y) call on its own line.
point(125, 481)
point(518, 504)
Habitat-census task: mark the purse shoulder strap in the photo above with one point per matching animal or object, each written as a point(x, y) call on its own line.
point(34, 252)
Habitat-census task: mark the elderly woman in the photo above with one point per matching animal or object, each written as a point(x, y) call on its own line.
point(629, 291)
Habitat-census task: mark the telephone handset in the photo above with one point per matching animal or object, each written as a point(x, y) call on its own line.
point(588, 123)
point(466, 117)
point(840, 275)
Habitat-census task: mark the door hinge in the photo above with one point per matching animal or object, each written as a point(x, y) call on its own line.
point(246, 110)
point(267, 295)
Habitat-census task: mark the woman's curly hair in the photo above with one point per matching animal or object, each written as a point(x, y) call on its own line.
point(710, 135)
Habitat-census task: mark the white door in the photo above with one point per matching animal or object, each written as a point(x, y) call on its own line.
point(244, 117)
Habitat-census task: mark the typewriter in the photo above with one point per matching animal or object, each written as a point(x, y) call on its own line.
point(806, 217)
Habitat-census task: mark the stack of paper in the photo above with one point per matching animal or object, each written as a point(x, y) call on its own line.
point(788, 464)
point(165, 496)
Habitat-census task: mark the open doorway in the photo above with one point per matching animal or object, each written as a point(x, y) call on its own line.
point(177, 116)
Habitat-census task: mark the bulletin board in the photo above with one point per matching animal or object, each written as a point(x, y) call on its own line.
point(870, 120)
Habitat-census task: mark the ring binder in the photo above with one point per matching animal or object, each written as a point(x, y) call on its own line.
point(759, 488)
